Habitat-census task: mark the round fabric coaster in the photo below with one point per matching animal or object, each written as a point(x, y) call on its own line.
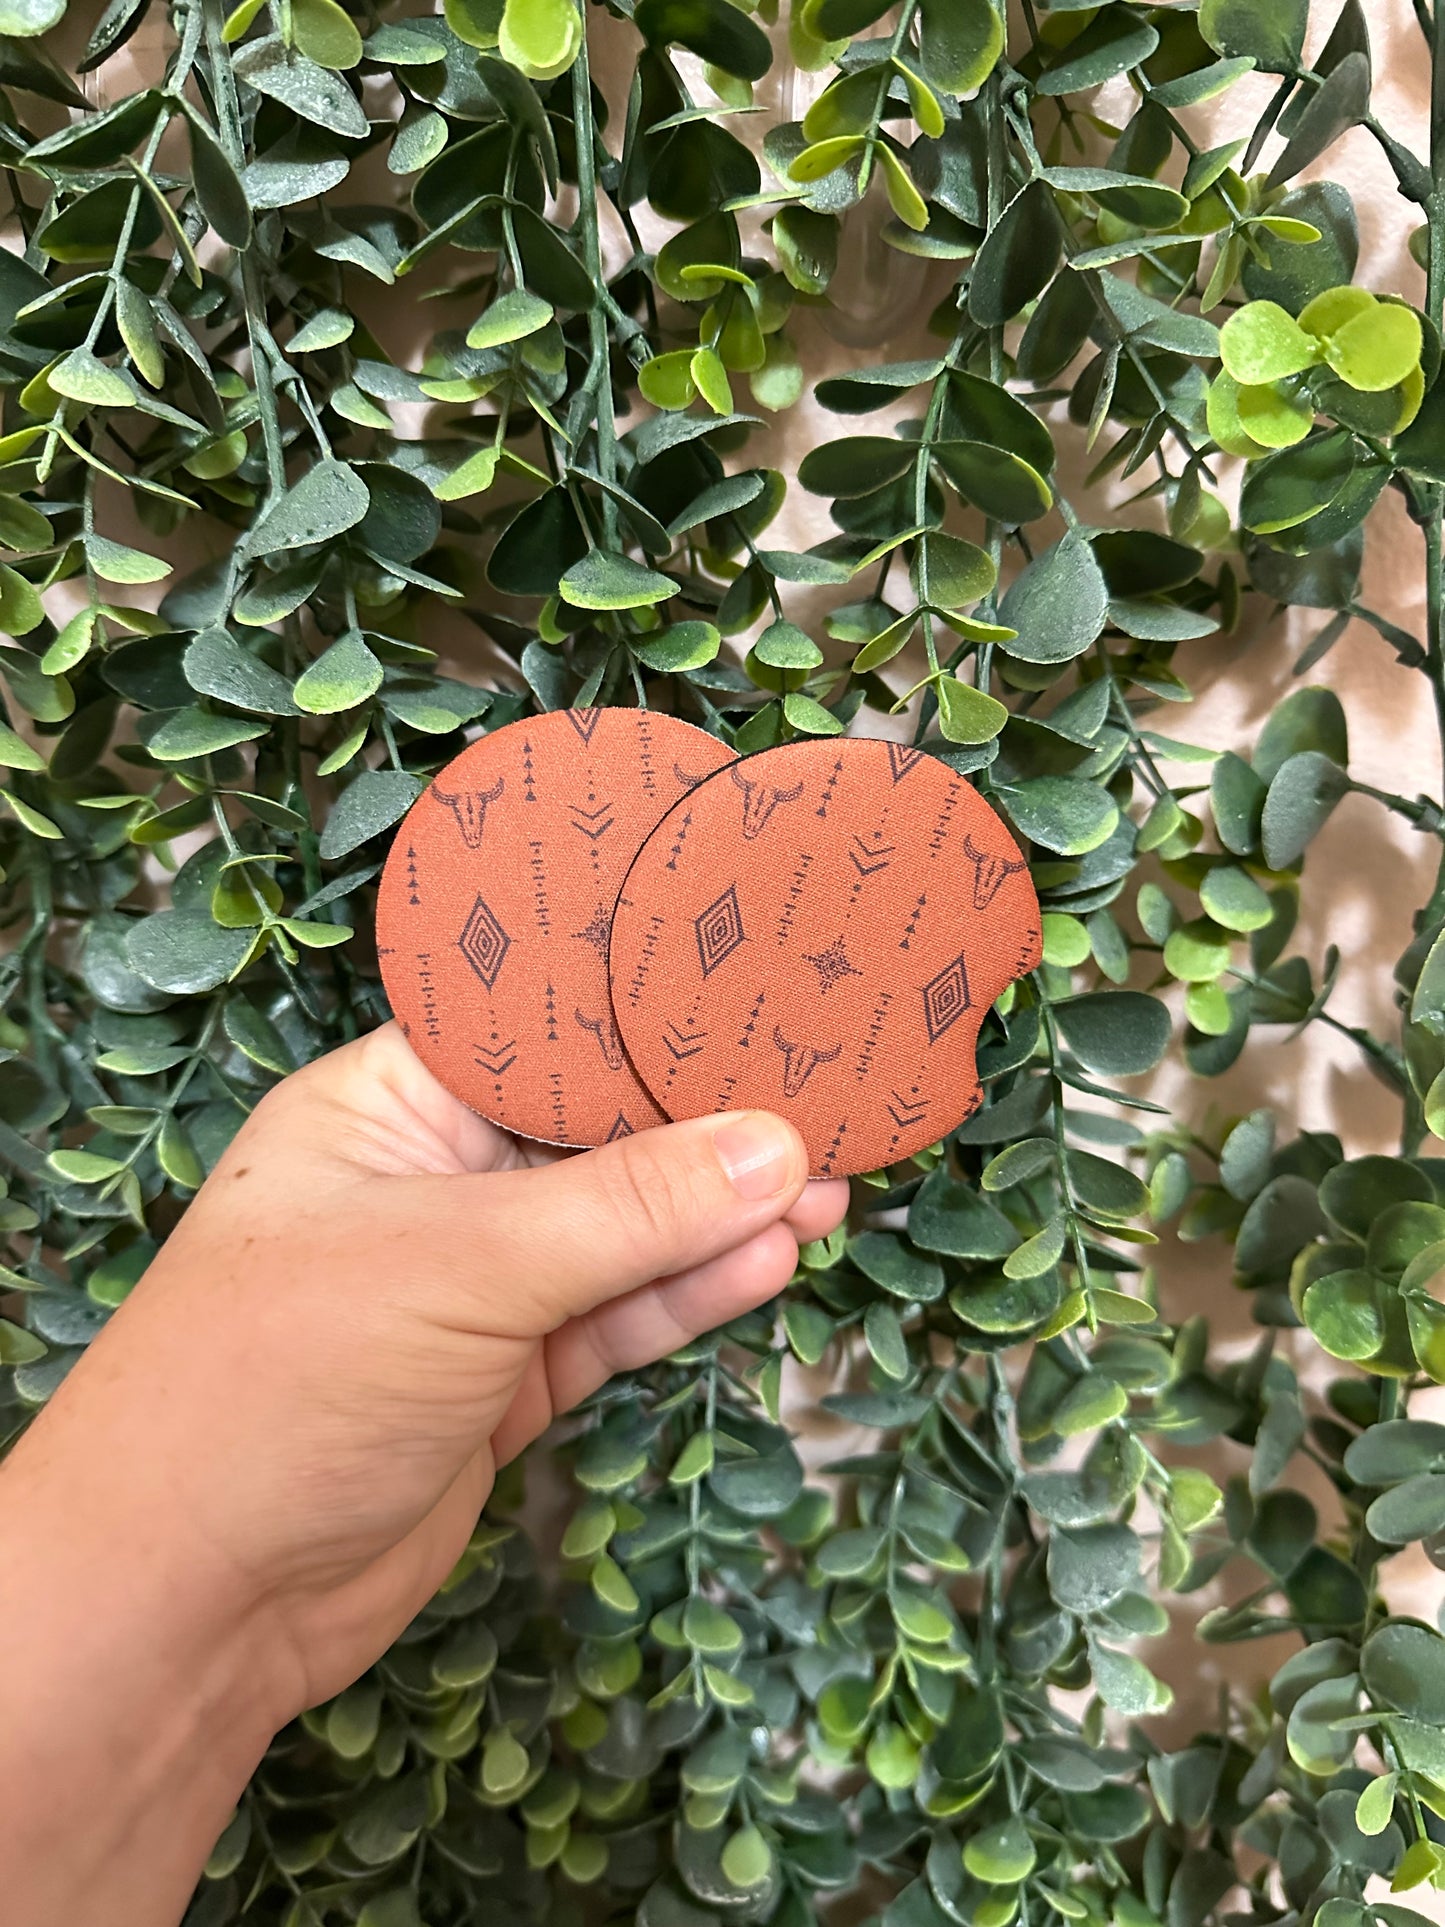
point(819, 930)
point(494, 908)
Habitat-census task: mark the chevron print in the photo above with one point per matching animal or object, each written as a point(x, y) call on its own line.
point(902, 759)
point(584, 721)
point(867, 861)
point(592, 823)
point(683, 1044)
point(907, 1111)
point(496, 1060)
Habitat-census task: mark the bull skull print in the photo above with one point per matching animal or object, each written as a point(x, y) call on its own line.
point(469, 807)
point(989, 872)
point(800, 1061)
point(760, 800)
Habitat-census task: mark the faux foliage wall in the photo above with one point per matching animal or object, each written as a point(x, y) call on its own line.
point(914, 1685)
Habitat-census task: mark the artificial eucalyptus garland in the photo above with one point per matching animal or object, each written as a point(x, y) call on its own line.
point(908, 1678)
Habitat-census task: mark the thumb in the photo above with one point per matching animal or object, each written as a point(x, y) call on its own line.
point(566, 1237)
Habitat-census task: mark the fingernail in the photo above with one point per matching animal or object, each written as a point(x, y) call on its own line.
point(756, 1151)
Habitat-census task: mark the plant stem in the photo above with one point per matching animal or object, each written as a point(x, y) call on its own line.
point(599, 376)
point(228, 128)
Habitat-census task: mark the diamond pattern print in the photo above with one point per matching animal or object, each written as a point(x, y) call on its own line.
point(484, 943)
point(719, 930)
point(945, 998)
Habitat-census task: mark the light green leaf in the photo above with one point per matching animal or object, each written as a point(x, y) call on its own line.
point(540, 38)
point(1262, 342)
point(511, 318)
point(603, 580)
point(966, 714)
point(342, 676)
point(115, 562)
point(24, 19)
point(83, 376)
point(325, 33)
point(1376, 350)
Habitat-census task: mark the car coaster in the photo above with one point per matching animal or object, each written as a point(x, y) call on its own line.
point(819, 930)
point(495, 905)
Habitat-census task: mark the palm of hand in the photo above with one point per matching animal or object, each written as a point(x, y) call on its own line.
point(377, 1299)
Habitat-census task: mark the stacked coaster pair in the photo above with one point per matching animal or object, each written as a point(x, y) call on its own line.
point(598, 919)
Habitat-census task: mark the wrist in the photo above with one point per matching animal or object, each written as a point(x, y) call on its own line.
point(140, 1703)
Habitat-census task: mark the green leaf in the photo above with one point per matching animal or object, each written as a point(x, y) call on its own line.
point(504, 1761)
point(959, 43)
point(256, 1037)
point(83, 1167)
point(892, 1756)
point(1116, 1033)
point(1269, 416)
point(16, 753)
point(721, 34)
point(1127, 1685)
point(343, 675)
point(746, 1859)
point(1288, 488)
point(950, 573)
point(886, 1259)
point(675, 650)
point(308, 89)
point(602, 580)
point(1018, 258)
point(36, 821)
point(17, 1345)
point(1001, 1855)
point(1301, 797)
point(471, 477)
point(804, 714)
point(998, 482)
point(857, 465)
point(184, 952)
point(1331, 110)
point(1414, 1509)
point(376, 800)
point(1058, 603)
point(1344, 1312)
point(1403, 1666)
point(328, 500)
point(189, 733)
point(217, 665)
point(1114, 41)
point(1061, 813)
point(24, 19)
point(1269, 32)
point(1307, 719)
point(218, 189)
point(1375, 1807)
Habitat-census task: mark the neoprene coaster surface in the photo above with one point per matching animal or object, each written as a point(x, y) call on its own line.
point(819, 930)
point(494, 908)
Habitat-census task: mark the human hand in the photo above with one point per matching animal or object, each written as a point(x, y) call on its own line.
point(283, 1438)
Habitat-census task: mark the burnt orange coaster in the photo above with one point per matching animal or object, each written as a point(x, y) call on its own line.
point(494, 907)
point(819, 930)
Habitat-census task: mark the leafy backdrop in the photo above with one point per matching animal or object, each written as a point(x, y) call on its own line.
point(915, 1685)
